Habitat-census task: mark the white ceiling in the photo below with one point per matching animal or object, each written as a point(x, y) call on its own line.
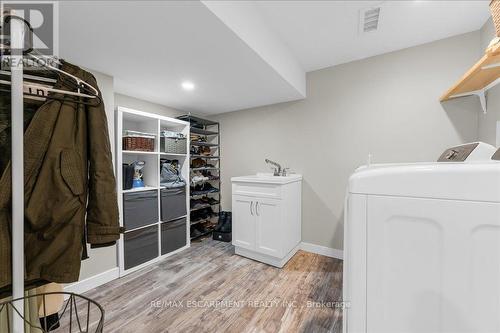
point(151, 47)
point(325, 33)
point(242, 54)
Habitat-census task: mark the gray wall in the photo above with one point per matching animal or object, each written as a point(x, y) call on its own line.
point(489, 122)
point(387, 106)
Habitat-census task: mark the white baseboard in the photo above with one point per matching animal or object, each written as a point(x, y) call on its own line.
point(322, 250)
point(93, 282)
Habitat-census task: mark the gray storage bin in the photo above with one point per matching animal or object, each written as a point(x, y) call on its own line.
point(140, 246)
point(173, 145)
point(173, 203)
point(140, 209)
point(173, 235)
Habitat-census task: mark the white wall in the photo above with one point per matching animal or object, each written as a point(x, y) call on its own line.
point(386, 105)
point(489, 123)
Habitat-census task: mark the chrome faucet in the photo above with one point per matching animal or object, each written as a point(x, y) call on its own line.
point(277, 169)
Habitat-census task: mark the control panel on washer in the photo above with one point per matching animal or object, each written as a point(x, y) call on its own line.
point(496, 155)
point(476, 151)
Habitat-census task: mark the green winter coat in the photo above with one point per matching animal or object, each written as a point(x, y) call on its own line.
point(70, 188)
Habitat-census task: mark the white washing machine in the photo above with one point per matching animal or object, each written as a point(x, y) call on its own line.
point(422, 245)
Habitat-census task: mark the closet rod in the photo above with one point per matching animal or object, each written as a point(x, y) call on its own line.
point(17, 166)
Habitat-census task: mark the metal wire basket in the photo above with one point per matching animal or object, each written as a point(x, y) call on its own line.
point(78, 314)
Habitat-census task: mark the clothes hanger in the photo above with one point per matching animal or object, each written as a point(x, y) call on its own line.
point(28, 78)
point(80, 84)
point(84, 89)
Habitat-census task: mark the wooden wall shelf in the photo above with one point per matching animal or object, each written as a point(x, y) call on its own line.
point(482, 76)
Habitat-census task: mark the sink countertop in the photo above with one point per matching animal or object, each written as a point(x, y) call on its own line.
point(268, 178)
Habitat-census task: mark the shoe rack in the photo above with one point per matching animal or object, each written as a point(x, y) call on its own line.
point(205, 154)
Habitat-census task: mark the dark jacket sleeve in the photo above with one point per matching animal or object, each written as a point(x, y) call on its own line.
point(102, 210)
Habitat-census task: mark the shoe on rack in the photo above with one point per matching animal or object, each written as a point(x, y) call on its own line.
point(209, 175)
point(207, 187)
point(205, 151)
point(210, 201)
point(208, 213)
point(203, 214)
point(195, 216)
point(198, 138)
point(197, 203)
point(195, 232)
point(203, 188)
point(195, 150)
point(198, 163)
point(201, 228)
point(198, 177)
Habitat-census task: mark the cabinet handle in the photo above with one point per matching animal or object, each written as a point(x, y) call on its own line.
point(251, 208)
point(257, 208)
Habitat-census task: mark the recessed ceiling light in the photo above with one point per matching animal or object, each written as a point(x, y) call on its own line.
point(186, 85)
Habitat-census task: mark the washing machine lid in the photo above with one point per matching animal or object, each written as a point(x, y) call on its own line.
point(457, 181)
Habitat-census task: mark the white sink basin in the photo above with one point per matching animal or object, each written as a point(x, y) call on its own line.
point(268, 178)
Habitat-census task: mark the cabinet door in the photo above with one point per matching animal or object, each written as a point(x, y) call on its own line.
point(269, 227)
point(244, 222)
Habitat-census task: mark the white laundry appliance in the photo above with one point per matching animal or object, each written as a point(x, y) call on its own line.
point(422, 245)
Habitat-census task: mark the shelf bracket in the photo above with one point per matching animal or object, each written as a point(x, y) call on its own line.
point(481, 94)
point(483, 100)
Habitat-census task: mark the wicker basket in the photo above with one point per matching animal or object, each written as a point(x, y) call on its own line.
point(173, 145)
point(495, 14)
point(138, 141)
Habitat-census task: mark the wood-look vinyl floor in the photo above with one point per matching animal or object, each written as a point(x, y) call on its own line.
point(208, 288)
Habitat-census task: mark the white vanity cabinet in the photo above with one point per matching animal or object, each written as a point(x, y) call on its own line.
point(267, 217)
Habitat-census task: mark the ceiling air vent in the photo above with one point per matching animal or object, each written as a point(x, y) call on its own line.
point(369, 19)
